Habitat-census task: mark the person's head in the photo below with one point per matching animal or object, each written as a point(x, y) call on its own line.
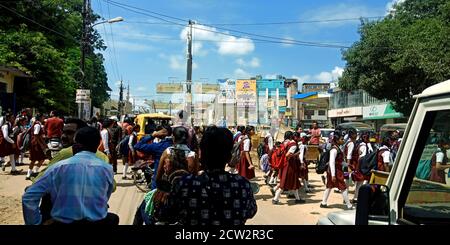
point(94, 119)
point(215, 148)
point(108, 123)
point(386, 141)
point(39, 118)
point(9, 117)
point(288, 135)
point(314, 125)
point(365, 137)
point(240, 129)
point(443, 143)
point(394, 135)
point(54, 113)
point(86, 139)
point(180, 135)
point(136, 128)
point(296, 136)
point(71, 125)
point(250, 130)
point(352, 134)
point(338, 138)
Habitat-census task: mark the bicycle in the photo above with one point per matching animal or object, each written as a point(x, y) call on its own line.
point(141, 172)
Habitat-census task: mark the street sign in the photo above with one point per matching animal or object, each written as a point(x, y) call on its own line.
point(83, 96)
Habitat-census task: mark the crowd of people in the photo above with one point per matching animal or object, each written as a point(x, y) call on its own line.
point(199, 175)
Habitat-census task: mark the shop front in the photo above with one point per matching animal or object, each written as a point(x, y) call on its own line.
point(380, 114)
point(349, 114)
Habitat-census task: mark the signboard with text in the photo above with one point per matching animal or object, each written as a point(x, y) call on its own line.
point(83, 96)
point(169, 88)
point(206, 88)
point(227, 93)
point(382, 111)
point(246, 93)
point(345, 112)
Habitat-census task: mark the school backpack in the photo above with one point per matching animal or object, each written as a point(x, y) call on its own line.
point(25, 140)
point(264, 163)
point(322, 163)
point(280, 157)
point(235, 154)
point(368, 163)
point(123, 146)
point(423, 170)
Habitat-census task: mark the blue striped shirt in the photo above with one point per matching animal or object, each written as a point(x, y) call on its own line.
point(79, 187)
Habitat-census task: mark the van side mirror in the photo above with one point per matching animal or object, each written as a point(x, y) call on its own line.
point(373, 204)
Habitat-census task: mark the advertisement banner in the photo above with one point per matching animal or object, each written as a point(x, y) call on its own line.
point(246, 93)
point(345, 112)
point(227, 93)
point(383, 111)
point(282, 102)
point(206, 88)
point(169, 88)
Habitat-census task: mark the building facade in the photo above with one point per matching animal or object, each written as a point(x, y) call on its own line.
point(312, 104)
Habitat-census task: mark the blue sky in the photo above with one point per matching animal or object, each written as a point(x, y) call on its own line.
point(144, 52)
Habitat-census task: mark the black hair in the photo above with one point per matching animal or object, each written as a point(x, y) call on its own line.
point(248, 129)
point(159, 127)
point(351, 132)
point(216, 146)
point(38, 117)
point(336, 136)
point(107, 123)
point(296, 134)
point(386, 141)
point(55, 113)
point(241, 128)
point(80, 123)
point(180, 135)
point(87, 138)
point(168, 128)
point(288, 135)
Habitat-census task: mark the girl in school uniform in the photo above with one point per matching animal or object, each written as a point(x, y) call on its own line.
point(38, 147)
point(289, 180)
point(245, 167)
point(335, 174)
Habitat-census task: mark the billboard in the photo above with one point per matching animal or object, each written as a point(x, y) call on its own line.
point(227, 93)
point(246, 93)
point(206, 88)
point(169, 88)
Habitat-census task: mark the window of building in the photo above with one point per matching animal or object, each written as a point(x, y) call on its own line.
point(322, 112)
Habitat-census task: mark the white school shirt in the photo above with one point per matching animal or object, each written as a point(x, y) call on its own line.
point(362, 150)
point(6, 133)
point(350, 146)
point(386, 154)
point(302, 148)
point(246, 143)
point(36, 128)
point(105, 139)
point(333, 154)
point(293, 148)
point(440, 156)
point(130, 141)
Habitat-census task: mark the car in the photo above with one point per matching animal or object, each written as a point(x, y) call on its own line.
point(386, 129)
point(406, 195)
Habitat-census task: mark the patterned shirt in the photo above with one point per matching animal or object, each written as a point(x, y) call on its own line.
point(79, 187)
point(213, 198)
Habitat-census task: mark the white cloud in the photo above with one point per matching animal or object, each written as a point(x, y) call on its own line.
point(254, 62)
point(390, 6)
point(271, 76)
point(288, 42)
point(240, 73)
point(323, 77)
point(197, 49)
point(176, 62)
point(141, 88)
point(226, 45)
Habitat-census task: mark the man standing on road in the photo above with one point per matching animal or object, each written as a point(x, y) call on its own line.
point(54, 126)
point(79, 187)
point(315, 134)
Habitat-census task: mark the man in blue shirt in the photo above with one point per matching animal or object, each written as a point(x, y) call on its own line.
point(79, 187)
point(156, 149)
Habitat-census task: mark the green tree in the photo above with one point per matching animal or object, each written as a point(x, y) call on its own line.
point(50, 52)
point(402, 54)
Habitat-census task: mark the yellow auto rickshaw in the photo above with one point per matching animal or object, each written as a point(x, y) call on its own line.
point(150, 121)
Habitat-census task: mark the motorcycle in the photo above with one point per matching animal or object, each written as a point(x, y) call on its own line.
point(54, 145)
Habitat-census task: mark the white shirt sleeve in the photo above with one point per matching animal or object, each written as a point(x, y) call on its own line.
point(292, 149)
point(36, 129)
point(105, 140)
point(191, 154)
point(369, 147)
point(333, 154)
point(386, 157)
point(350, 147)
point(6, 135)
point(439, 157)
point(362, 150)
point(247, 144)
point(270, 143)
point(130, 142)
point(302, 153)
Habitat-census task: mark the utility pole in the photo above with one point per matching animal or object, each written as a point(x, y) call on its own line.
point(120, 104)
point(127, 99)
point(189, 74)
point(83, 54)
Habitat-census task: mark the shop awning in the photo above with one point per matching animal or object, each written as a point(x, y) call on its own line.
point(304, 96)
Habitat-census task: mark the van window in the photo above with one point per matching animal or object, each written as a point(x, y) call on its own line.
point(428, 197)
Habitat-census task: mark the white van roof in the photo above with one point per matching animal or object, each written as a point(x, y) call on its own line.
point(440, 88)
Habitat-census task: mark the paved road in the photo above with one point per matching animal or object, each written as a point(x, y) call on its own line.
point(127, 197)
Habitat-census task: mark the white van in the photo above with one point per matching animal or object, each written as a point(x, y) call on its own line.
point(404, 198)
